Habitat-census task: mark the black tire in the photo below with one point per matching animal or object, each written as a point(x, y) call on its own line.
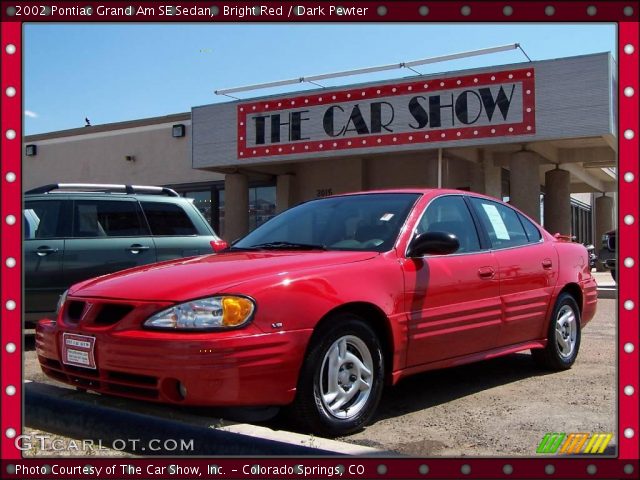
point(613, 275)
point(310, 408)
point(556, 355)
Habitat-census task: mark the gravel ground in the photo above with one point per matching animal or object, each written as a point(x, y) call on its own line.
point(501, 407)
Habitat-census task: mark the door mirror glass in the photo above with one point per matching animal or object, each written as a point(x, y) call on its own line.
point(434, 243)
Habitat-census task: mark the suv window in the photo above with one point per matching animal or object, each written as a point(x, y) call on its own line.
point(168, 219)
point(501, 223)
point(532, 231)
point(42, 219)
point(450, 214)
point(104, 218)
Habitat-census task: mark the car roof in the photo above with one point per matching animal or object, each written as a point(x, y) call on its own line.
point(104, 196)
point(420, 191)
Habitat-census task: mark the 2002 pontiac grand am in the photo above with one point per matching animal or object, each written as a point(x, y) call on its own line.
point(326, 303)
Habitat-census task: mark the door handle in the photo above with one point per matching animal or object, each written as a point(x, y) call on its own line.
point(547, 263)
point(137, 248)
point(486, 272)
point(45, 250)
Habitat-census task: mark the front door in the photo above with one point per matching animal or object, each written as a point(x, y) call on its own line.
point(44, 225)
point(453, 300)
point(108, 236)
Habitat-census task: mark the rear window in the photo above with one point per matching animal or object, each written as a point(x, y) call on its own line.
point(532, 231)
point(501, 223)
point(168, 219)
point(107, 218)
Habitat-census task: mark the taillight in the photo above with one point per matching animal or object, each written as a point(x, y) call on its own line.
point(218, 245)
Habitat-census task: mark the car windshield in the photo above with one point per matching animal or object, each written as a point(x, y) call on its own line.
point(367, 222)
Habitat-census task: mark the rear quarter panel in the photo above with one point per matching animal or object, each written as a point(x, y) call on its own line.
point(573, 268)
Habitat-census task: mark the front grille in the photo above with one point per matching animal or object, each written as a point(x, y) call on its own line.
point(96, 312)
point(74, 310)
point(111, 313)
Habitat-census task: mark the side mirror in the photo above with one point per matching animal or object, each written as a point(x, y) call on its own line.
point(433, 243)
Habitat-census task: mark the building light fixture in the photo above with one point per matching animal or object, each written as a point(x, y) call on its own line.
point(31, 150)
point(177, 130)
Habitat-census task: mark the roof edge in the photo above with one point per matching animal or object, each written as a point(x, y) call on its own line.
point(106, 127)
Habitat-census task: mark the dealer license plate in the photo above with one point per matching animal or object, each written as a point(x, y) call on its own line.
point(77, 350)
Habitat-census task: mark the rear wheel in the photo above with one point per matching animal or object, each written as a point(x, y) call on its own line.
point(341, 380)
point(563, 337)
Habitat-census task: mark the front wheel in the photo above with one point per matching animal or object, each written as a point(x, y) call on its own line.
point(342, 378)
point(563, 338)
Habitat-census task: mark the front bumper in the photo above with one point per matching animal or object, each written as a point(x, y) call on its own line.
point(216, 369)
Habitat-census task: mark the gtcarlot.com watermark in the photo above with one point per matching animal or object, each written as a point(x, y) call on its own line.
point(50, 443)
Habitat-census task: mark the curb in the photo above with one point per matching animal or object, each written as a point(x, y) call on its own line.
point(607, 292)
point(73, 414)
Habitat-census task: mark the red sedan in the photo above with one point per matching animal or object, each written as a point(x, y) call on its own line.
point(326, 303)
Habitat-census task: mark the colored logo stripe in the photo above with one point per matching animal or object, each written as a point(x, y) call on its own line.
point(550, 443)
point(573, 442)
point(598, 443)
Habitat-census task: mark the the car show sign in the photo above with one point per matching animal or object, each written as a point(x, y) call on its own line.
point(482, 105)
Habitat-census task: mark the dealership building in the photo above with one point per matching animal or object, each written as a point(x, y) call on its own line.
point(540, 134)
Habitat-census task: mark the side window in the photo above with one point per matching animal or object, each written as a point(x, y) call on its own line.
point(533, 234)
point(168, 219)
point(42, 219)
point(501, 222)
point(105, 218)
point(450, 214)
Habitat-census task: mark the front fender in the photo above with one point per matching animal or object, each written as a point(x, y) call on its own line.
point(299, 300)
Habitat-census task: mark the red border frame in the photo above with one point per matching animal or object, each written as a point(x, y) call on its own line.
point(526, 76)
point(628, 372)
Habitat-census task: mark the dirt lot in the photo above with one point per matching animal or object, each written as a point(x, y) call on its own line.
point(501, 407)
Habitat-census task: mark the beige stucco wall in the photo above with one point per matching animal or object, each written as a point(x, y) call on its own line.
point(160, 159)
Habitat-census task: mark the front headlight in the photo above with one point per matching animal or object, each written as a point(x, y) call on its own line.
point(61, 300)
point(225, 311)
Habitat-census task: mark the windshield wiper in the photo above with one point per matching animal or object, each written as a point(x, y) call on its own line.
point(286, 246)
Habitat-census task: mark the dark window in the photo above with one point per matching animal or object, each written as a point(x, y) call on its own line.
point(168, 219)
point(42, 219)
point(501, 222)
point(450, 214)
point(106, 218)
point(533, 234)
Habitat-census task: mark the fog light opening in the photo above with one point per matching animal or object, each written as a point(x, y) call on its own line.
point(182, 390)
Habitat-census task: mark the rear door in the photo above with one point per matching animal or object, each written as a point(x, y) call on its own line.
point(527, 270)
point(178, 229)
point(108, 235)
point(44, 229)
point(453, 300)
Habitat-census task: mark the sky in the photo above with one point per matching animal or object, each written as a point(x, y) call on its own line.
point(118, 72)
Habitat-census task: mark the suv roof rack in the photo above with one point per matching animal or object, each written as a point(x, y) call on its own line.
point(105, 188)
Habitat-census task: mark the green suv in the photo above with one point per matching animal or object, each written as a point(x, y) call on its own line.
point(75, 231)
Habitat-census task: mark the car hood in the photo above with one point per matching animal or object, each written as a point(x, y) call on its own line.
point(188, 278)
